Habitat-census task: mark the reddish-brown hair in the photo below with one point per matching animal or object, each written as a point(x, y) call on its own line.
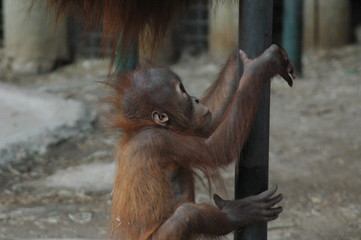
point(128, 20)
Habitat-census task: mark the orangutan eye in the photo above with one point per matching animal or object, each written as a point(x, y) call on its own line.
point(182, 88)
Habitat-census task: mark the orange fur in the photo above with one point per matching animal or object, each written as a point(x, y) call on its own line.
point(153, 195)
point(129, 20)
point(143, 197)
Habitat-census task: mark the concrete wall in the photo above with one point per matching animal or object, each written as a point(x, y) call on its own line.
point(31, 37)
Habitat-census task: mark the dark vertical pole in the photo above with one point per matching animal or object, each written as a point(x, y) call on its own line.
point(292, 31)
point(126, 60)
point(255, 35)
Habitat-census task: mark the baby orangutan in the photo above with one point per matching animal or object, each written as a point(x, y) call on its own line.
point(168, 134)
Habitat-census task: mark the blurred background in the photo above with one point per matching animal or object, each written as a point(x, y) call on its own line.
point(56, 162)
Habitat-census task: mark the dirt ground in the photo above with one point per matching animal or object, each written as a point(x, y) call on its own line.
point(315, 152)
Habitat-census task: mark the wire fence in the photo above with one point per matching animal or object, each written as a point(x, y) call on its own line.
point(193, 33)
point(194, 26)
point(86, 43)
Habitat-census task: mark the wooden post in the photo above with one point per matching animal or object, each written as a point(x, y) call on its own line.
point(326, 23)
point(255, 35)
point(223, 25)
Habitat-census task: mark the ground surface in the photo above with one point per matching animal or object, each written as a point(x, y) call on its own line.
point(315, 154)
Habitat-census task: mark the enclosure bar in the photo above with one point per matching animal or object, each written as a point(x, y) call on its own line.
point(255, 35)
point(292, 31)
point(126, 59)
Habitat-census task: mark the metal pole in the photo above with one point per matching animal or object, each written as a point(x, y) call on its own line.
point(255, 35)
point(292, 31)
point(126, 60)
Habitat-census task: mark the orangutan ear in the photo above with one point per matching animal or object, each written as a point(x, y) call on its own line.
point(160, 118)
